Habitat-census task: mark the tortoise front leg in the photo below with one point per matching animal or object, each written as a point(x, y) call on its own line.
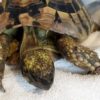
point(3, 55)
point(79, 55)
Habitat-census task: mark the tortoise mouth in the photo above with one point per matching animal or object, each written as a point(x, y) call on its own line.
point(41, 83)
point(97, 71)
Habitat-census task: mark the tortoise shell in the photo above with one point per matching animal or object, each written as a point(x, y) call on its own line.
point(61, 16)
point(66, 17)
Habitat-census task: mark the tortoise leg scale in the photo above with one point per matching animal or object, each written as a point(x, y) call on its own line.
point(79, 55)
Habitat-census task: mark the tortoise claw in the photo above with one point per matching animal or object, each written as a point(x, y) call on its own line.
point(2, 88)
point(2, 67)
point(97, 71)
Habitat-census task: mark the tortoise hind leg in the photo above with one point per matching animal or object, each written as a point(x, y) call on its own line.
point(79, 55)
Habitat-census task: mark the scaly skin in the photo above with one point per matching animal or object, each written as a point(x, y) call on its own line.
point(79, 55)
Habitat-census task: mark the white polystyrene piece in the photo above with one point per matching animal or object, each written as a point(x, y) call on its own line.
point(93, 41)
point(64, 65)
point(87, 2)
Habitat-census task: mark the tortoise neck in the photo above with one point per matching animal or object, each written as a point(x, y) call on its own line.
point(29, 40)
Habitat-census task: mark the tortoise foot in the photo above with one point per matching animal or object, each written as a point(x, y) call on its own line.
point(79, 55)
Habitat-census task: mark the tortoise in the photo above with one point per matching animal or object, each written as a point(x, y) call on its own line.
point(35, 32)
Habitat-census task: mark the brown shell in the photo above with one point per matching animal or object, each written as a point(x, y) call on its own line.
point(38, 63)
point(78, 27)
point(24, 3)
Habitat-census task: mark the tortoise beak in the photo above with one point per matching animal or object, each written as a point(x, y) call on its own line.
point(42, 83)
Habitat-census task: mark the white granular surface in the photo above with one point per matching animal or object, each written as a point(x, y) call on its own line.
point(66, 86)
